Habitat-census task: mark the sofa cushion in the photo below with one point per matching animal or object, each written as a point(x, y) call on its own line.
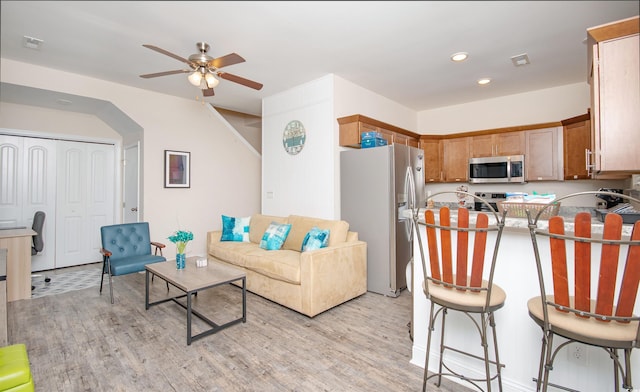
point(133, 264)
point(281, 265)
point(235, 229)
point(274, 236)
point(232, 252)
point(315, 239)
point(259, 224)
point(301, 225)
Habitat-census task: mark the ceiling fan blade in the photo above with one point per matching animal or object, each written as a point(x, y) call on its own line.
point(165, 73)
point(230, 59)
point(207, 92)
point(240, 80)
point(166, 53)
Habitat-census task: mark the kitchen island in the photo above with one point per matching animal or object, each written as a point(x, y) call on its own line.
point(519, 338)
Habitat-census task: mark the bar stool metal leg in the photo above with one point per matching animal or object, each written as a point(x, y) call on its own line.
point(426, 360)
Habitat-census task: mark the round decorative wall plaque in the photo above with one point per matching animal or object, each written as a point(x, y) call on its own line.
point(293, 137)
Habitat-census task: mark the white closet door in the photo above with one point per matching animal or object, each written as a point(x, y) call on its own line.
point(11, 152)
point(100, 194)
point(27, 185)
point(39, 194)
point(85, 197)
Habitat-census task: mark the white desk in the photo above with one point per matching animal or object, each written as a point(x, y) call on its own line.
point(18, 244)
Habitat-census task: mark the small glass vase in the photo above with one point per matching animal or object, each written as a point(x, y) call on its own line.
point(181, 259)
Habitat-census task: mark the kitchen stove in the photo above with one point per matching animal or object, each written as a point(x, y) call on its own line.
point(491, 197)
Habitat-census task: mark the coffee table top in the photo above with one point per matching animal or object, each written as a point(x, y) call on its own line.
point(193, 278)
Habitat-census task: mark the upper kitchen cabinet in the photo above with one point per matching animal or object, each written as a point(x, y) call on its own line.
point(399, 138)
point(432, 147)
point(543, 157)
point(498, 144)
point(576, 140)
point(455, 159)
point(615, 96)
point(352, 127)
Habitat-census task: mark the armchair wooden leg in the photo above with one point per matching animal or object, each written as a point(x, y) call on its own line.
point(104, 262)
point(153, 276)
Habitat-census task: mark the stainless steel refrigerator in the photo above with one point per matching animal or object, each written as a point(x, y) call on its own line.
point(376, 186)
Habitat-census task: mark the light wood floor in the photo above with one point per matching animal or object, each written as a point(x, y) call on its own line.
point(79, 341)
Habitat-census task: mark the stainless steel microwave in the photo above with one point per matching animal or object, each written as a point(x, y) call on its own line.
point(504, 169)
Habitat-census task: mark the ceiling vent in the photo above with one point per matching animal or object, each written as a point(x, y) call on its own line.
point(520, 60)
point(32, 43)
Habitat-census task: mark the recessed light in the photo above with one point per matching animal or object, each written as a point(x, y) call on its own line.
point(460, 56)
point(63, 102)
point(484, 81)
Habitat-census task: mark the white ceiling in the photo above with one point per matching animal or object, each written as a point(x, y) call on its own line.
point(397, 49)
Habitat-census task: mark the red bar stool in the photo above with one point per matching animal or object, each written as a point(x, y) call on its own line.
point(453, 281)
point(595, 305)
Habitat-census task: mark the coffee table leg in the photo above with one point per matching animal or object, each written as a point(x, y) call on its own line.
point(146, 290)
point(188, 318)
point(244, 300)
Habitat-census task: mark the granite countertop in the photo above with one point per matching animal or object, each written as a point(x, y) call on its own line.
point(522, 225)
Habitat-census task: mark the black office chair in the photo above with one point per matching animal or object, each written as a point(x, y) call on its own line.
point(38, 241)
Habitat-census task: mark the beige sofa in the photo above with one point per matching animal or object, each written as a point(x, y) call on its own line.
point(308, 282)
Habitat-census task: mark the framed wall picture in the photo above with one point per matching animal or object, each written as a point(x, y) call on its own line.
point(177, 171)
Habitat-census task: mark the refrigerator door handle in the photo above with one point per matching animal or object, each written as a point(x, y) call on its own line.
point(410, 189)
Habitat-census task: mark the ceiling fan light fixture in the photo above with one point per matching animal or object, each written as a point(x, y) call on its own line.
point(195, 78)
point(203, 70)
point(211, 80)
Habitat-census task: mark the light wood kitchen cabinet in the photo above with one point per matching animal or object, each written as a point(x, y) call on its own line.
point(455, 159)
point(352, 128)
point(404, 139)
point(576, 141)
point(498, 144)
point(386, 134)
point(615, 97)
point(543, 157)
point(432, 148)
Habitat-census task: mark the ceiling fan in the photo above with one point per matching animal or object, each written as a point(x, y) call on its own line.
point(203, 69)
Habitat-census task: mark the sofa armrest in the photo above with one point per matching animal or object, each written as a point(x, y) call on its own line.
point(213, 237)
point(332, 275)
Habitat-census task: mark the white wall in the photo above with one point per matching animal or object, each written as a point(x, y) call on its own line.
point(39, 119)
point(540, 106)
point(309, 183)
point(352, 99)
point(225, 175)
point(300, 184)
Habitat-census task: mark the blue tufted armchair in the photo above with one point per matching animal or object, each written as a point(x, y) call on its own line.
point(126, 248)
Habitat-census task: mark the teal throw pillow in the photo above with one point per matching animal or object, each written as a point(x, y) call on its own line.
point(315, 239)
point(274, 236)
point(235, 229)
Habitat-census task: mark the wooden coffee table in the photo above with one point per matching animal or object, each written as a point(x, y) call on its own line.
point(192, 279)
